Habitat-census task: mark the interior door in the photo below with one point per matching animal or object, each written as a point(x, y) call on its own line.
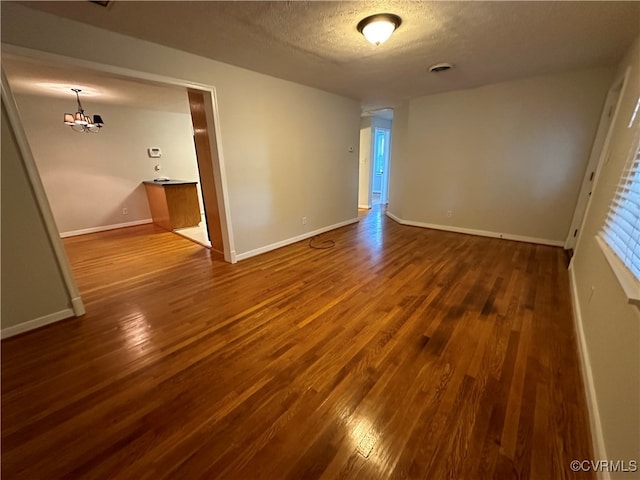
point(378, 159)
point(595, 158)
point(385, 166)
point(205, 168)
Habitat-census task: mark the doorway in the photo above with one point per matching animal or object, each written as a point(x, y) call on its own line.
point(375, 158)
point(380, 183)
point(52, 230)
point(224, 232)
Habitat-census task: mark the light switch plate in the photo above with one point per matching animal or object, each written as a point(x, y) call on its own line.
point(154, 152)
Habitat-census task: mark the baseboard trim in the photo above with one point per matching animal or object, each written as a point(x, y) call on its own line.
point(36, 323)
point(78, 306)
point(289, 241)
point(597, 437)
point(481, 233)
point(104, 228)
point(365, 207)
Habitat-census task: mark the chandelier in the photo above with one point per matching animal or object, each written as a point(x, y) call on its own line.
point(80, 122)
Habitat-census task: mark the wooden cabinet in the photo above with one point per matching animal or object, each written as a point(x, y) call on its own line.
point(173, 203)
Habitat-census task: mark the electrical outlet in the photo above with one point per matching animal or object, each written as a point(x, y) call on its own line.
point(304, 220)
point(125, 211)
point(449, 213)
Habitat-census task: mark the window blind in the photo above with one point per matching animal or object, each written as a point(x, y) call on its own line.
point(621, 229)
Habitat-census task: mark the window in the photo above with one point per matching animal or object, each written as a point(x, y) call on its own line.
point(621, 230)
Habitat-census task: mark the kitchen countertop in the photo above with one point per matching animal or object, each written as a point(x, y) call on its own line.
point(169, 182)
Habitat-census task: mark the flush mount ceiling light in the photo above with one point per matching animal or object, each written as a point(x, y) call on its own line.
point(80, 122)
point(378, 28)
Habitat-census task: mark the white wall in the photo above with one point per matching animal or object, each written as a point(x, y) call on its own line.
point(33, 289)
point(506, 158)
point(89, 178)
point(611, 326)
point(285, 145)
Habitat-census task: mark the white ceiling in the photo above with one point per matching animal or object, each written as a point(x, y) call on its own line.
point(316, 42)
point(35, 77)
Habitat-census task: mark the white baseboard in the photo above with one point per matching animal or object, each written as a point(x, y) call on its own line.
point(482, 233)
point(78, 306)
point(366, 207)
point(104, 228)
point(36, 323)
point(597, 438)
point(395, 218)
point(289, 241)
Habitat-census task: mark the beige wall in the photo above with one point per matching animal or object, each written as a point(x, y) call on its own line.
point(611, 326)
point(364, 174)
point(89, 178)
point(32, 285)
point(285, 145)
point(506, 158)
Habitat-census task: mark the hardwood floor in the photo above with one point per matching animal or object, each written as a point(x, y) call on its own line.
point(399, 353)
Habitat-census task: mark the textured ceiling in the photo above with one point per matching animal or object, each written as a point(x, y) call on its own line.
point(316, 43)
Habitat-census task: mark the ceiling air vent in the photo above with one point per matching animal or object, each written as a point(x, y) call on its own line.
point(440, 67)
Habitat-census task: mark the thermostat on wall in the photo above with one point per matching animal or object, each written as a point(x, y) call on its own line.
point(154, 152)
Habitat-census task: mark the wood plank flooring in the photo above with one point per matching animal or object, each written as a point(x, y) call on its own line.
point(401, 353)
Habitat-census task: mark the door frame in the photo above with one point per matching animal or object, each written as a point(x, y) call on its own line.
point(214, 132)
point(599, 155)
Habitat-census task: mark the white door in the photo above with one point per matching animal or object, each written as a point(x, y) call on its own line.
point(592, 165)
point(381, 162)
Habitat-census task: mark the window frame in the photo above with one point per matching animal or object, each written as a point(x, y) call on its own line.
point(629, 282)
